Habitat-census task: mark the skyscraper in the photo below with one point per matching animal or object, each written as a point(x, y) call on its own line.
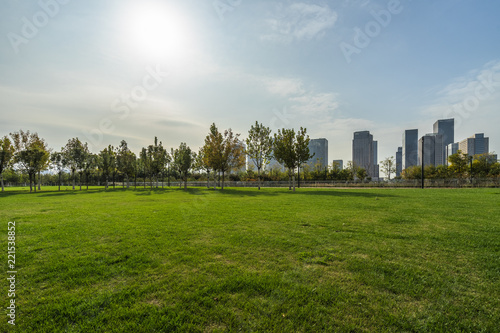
point(364, 152)
point(410, 148)
point(451, 149)
point(475, 145)
point(433, 149)
point(318, 147)
point(446, 128)
point(399, 161)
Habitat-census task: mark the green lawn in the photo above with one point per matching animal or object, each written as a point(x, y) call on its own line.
point(358, 260)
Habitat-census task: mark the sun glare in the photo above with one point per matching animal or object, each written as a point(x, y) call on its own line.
point(157, 30)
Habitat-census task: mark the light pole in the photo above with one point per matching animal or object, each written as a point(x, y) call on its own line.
point(470, 159)
point(422, 162)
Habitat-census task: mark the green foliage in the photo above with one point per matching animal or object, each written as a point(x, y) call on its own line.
point(259, 147)
point(459, 162)
point(6, 154)
point(31, 154)
point(107, 163)
point(223, 153)
point(75, 155)
point(388, 166)
point(182, 161)
point(126, 161)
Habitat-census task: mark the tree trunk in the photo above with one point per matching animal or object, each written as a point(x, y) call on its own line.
point(106, 182)
point(298, 177)
point(185, 183)
point(73, 180)
point(39, 180)
point(293, 181)
point(1, 177)
point(222, 185)
point(289, 180)
point(80, 181)
point(215, 180)
point(258, 177)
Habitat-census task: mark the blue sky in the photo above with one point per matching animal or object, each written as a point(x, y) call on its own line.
point(111, 70)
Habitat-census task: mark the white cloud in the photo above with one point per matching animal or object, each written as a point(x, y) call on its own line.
point(284, 86)
point(300, 21)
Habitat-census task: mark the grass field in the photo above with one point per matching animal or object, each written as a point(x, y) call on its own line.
point(254, 261)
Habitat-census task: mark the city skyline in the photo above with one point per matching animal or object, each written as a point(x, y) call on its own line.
point(107, 71)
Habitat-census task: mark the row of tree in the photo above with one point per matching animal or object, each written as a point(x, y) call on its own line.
point(460, 166)
point(222, 152)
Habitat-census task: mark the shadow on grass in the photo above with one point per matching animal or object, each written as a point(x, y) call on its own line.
point(233, 191)
point(247, 192)
point(346, 193)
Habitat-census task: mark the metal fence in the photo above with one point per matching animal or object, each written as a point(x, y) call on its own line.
point(397, 183)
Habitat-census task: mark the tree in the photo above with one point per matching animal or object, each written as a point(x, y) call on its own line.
point(413, 172)
point(201, 163)
point(285, 152)
point(232, 153)
point(389, 166)
point(182, 161)
point(482, 165)
point(125, 161)
point(223, 153)
point(302, 149)
point(31, 154)
point(459, 162)
point(75, 153)
point(442, 172)
point(6, 154)
point(107, 163)
point(259, 147)
point(212, 151)
point(58, 162)
point(90, 164)
point(361, 174)
point(154, 159)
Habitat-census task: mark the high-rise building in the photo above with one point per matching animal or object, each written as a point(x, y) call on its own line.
point(318, 147)
point(432, 150)
point(451, 149)
point(339, 164)
point(399, 161)
point(446, 128)
point(475, 145)
point(410, 148)
point(364, 152)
